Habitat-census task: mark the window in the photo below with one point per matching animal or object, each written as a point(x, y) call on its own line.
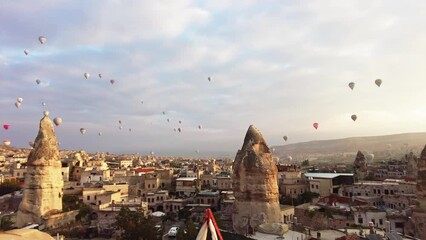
point(312, 186)
point(100, 202)
point(378, 191)
point(391, 191)
point(88, 198)
point(374, 191)
point(386, 191)
point(149, 185)
point(316, 186)
point(95, 197)
point(381, 221)
point(360, 220)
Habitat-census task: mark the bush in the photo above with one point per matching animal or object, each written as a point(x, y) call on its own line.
point(9, 187)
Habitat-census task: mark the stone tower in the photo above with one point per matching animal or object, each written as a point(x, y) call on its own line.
point(255, 185)
point(360, 167)
point(43, 180)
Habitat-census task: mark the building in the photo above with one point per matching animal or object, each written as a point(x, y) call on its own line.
point(208, 197)
point(326, 183)
point(186, 186)
point(224, 183)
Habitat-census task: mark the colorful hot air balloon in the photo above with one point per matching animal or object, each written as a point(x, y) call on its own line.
point(26, 52)
point(57, 121)
point(351, 85)
point(17, 104)
point(112, 81)
point(6, 126)
point(82, 130)
point(316, 125)
point(20, 100)
point(285, 138)
point(378, 82)
point(6, 142)
point(86, 75)
point(42, 39)
point(179, 129)
point(100, 75)
point(354, 117)
point(38, 81)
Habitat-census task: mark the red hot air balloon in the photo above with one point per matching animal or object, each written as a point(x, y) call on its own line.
point(6, 126)
point(316, 125)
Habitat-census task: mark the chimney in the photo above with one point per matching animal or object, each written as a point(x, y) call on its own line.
point(318, 235)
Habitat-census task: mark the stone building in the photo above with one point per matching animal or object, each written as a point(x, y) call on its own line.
point(255, 185)
point(43, 181)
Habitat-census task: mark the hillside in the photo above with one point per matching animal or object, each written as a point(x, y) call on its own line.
point(383, 147)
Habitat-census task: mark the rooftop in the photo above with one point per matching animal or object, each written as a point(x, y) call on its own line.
point(186, 179)
point(327, 175)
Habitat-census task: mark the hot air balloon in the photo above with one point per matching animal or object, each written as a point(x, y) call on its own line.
point(6, 126)
point(119, 121)
point(197, 151)
point(378, 82)
point(351, 85)
point(179, 129)
point(152, 153)
point(164, 113)
point(43, 103)
point(180, 122)
point(316, 125)
point(6, 142)
point(174, 129)
point(26, 52)
point(86, 75)
point(17, 104)
point(57, 121)
point(370, 157)
point(120, 127)
point(46, 113)
point(82, 130)
point(100, 133)
point(38, 81)
point(112, 81)
point(100, 75)
point(168, 119)
point(20, 100)
point(209, 78)
point(199, 126)
point(130, 129)
point(354, 117)
point(42, 39)
point(31, 144)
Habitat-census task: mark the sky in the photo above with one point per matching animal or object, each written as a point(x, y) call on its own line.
point(280, 65)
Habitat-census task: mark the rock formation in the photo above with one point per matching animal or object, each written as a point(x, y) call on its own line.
point(411, 165)
point(255, 185)
point(419, 212)
point(43, 181)
point(360, 167)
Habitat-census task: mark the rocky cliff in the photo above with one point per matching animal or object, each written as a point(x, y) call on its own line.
point(43, 181)
point(255, 185)
point(419, 213)
point(360, 167)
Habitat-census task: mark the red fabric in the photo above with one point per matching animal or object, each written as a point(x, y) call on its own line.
point(209, 215)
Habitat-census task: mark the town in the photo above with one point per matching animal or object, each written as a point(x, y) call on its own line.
point(255, 195)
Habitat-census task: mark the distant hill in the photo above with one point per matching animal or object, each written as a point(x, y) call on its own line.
point(383, 147)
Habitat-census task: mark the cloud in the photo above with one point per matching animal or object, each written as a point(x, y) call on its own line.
point(280, 66)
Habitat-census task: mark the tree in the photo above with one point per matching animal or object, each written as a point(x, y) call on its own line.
point(6, 223)
point(70, 202)
point(84, 213)
point(134, 225)
point(9, 187)
point(189, 232)
point(305, 162)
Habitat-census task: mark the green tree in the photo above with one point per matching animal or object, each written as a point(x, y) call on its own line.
point(134, 225)
point(70, 202)
point(305, 162)
point(6, 223)
point(189, 232)
point(9, 187)
point(84, 213)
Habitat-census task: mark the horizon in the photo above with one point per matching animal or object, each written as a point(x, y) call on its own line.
point(281, 67)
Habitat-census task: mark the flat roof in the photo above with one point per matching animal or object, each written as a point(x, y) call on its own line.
point(327, 175)
point(186, 179)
